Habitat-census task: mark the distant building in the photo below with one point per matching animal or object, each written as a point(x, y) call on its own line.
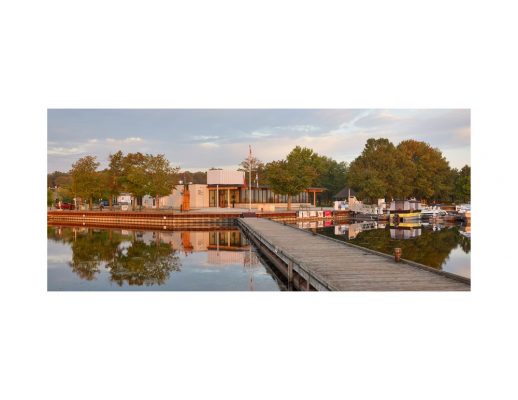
point(344, 194)
point(226, 189)
point(229, 189)
point(199, 198)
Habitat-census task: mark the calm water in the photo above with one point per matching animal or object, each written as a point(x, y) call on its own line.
point(82, 258)
point(444, 247)
point(113, 259)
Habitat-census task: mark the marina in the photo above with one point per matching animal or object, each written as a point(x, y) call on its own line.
point(165, 219)
point(439, 245)
point(426, 243)
point(327, 264)
point(396, 217)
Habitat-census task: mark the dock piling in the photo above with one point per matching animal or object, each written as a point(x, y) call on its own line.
point(397, 254)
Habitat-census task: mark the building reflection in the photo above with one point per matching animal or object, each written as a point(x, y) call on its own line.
point(223, 247)
point(399, 232)
point(353, 230)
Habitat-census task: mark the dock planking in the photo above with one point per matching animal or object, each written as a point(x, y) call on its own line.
point(333, 265)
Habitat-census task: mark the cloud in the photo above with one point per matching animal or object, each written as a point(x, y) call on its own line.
point(298, 128)
point(124, 141)
point(260, 134)
point(209, 145)
point(64, 151)
point(206, 138)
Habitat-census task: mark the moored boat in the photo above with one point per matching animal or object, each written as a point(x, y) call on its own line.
point(433, 212)
point(404, 211)
point(464, 211)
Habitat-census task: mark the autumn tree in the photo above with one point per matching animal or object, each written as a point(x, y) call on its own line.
point(162, 178)
point(430, 175)
point(380, 171)
point(114, 176)
point(462, 191)
point(85, 179)
point(135, 179)
point(293, 175)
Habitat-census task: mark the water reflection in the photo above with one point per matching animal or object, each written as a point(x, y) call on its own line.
point(440, 246)
point(405, 231)
point(129, 256)
point(147, 258)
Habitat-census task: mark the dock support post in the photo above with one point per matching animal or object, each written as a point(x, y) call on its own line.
point(290, 275)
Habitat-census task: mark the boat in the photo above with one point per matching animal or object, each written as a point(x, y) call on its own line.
point(404, 211)
point(464, 211)
point(433, 212)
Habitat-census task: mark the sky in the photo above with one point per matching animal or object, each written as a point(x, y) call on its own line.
point(198, 139)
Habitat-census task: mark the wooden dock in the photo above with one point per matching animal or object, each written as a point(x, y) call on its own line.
point(327, 264)
point(157, 220)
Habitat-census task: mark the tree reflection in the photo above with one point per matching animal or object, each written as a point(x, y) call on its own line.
point(143, 264)
point(90, 249)
point(127, 258)
point(465, 243)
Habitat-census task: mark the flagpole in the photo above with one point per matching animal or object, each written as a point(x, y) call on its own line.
point(250, 178)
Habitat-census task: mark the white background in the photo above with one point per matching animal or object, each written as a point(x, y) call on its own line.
point(408, 54)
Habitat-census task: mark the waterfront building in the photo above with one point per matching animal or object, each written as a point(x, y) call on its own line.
point(229, 189)
point(226, 189)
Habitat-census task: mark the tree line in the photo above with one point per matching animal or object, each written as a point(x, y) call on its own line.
point(135, 173)
point(410, 169)
point(382, 170)
point(303, 168)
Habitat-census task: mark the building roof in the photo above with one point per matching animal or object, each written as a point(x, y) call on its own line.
point(344, 193)
point(264, 187)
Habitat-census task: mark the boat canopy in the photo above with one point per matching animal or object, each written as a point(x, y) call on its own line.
point(405, 205)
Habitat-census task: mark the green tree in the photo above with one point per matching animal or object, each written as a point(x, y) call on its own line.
point(50, 197)
point(293, 175)
point(331, 176)
point(85, 179)
point(58, 178)
point(462, 192)
point(104, 189)
point(199, 177)
point(162, 177)
point(135, 178)
point(381, 171)
point(431, 176)
point(115, 176)
point(61, 183)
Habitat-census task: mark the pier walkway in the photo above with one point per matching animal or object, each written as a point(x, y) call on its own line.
point(328, 264)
